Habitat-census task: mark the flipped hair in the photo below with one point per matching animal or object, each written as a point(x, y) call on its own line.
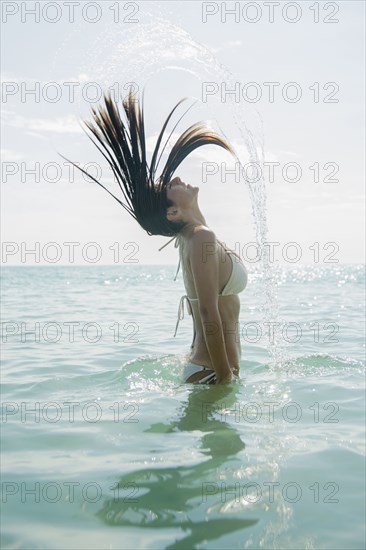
point(121, 140)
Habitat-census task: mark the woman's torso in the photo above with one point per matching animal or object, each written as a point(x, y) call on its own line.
point(229, 309)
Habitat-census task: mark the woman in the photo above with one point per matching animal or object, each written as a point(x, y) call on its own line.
point(213, 275)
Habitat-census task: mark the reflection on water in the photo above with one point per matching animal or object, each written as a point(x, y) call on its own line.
point(223, 491)
point(183, 496)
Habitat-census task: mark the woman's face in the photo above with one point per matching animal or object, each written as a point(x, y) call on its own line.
point(180, 193)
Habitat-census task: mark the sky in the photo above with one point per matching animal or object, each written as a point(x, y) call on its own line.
point(288, 74)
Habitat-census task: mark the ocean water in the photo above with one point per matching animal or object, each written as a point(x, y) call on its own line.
point(105, 447)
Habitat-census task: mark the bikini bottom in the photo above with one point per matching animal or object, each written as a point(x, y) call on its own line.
point(192, 368)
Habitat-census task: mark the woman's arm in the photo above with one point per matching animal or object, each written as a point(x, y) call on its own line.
point(205, 270)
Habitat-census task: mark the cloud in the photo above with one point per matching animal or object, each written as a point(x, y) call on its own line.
point(9, 78)
point(8, 155)
point(60, 125)
point(227, 45)
point(289, 153)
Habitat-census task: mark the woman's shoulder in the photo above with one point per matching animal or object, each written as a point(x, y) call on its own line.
point(202, 245)
point(202, 237)
point(202, 233)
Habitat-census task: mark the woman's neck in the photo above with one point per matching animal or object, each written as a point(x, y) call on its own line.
point(195, 219)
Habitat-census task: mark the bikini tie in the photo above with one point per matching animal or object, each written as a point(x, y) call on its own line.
point(185, 297)
point(176, 245)
point(181, 311)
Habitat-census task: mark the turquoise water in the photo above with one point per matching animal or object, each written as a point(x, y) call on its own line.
point(104, 447)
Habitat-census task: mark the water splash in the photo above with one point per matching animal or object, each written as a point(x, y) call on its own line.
point(143, 52)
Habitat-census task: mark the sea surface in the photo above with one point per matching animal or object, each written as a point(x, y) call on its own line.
point(104, 447)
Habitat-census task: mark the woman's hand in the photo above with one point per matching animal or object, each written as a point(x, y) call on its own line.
point(224, 378)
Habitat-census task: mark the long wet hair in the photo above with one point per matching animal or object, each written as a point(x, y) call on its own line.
point(121, 141)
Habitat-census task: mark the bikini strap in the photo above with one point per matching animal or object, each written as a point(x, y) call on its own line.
point(229, 250)
point(176, 245)
point(166, 244)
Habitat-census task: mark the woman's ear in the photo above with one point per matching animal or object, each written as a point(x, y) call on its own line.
point(173, 213)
